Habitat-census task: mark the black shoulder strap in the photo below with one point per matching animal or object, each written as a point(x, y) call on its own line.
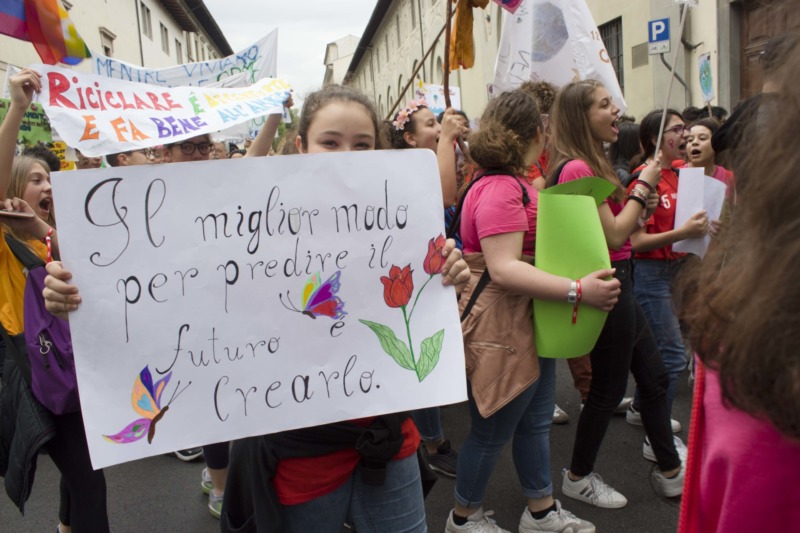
point(485, 279)
point(24, 254)
point(456, 220)
point(553, 178)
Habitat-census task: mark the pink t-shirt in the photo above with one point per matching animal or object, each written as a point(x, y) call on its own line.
point(748, 471)
point(494, 206)
point(577, 169)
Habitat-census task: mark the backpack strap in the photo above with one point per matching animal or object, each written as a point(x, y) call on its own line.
point(553, 178)
point(24, 254)
point(454, 224)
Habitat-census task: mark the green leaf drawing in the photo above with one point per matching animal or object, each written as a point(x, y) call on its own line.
point(429, 354)
point(391, 344)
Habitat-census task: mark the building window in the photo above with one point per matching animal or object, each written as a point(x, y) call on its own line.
point(107, 41)
point(178, 51)
point(147, 21)
point(611, 33)
point(164, 38)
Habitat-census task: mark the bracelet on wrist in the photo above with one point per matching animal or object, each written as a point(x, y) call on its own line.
point(649, 187)
point(639, 200)
point(578, 298)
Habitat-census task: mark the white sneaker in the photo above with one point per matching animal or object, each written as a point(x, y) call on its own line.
point(560, 416)
point(593, 490)
point(206, 484)
point(669, 487)
point(477, 522)
point(634, 418)
point(680, 447)
point(558, 521)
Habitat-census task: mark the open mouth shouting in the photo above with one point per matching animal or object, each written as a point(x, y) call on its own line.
point(45, 205)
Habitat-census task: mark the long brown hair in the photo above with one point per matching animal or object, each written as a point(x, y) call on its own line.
point(20, 172)
point(572, 134)
point(743, 301)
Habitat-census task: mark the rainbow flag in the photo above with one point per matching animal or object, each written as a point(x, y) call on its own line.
point(46, 24)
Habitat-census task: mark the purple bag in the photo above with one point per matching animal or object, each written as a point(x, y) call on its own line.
point(49, 343)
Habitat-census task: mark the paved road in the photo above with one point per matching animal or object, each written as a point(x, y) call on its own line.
point(162, 494)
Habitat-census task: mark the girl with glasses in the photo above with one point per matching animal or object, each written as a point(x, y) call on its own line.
point(656, 263)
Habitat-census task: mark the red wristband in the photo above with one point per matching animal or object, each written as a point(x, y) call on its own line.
point(49, 242)
point(577, 301)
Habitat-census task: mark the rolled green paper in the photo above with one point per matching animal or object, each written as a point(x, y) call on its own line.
point(570, 242)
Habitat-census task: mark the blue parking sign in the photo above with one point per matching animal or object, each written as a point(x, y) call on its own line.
point(658, 36)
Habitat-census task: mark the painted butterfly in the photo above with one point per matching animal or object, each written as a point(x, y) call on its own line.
point(146, 400)
point(319, 299)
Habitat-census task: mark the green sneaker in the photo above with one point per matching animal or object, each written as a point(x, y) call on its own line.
point(205, 482)
point(215, 504)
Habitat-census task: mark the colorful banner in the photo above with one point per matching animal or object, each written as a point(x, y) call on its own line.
point(706, 78)
point(253, 303)
point(434, 96)
point(245, 67)
point(100, 116)
point(34, 128)
point(46, 25)
point(570, 242)
point(556, 41)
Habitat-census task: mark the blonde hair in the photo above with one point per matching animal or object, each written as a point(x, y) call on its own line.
point(572, 133)
point(20, 176)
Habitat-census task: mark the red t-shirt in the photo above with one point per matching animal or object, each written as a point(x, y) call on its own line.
point(302, 479)
point(577, 169)
point(664, 217)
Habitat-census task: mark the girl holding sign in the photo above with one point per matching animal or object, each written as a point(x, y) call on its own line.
point(511, 391)
point(585, 117)
point(656, 264)
point(25, 192)
point(314, 479)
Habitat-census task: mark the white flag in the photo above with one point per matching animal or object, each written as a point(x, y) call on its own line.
point(556, 41)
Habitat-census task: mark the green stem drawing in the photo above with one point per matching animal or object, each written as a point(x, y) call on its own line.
point(419, 293)
point(408, 332)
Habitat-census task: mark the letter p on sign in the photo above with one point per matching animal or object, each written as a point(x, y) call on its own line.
point(658, 36)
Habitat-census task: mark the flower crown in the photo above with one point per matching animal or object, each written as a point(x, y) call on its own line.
point(404, 115)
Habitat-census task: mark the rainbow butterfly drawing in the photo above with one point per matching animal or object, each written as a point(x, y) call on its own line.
point(146, 401)
point(319, 299)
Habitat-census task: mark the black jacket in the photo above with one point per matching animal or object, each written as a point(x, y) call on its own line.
point(25, 427)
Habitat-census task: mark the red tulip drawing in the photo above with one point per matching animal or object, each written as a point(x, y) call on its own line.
point(398, 288)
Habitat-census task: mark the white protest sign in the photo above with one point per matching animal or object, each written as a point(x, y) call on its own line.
point(241, 69)
point(100, 115)
point(556, 41)
point(255, 295)
point(696, 192)
point(434, 96)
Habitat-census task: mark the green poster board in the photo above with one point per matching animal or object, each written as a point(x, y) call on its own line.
point(570, 242)
point(34, 128)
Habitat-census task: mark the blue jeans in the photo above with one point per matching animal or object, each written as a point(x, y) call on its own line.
point(527, 419)
point(652, 286)
point(395, 506)
point(429, 424)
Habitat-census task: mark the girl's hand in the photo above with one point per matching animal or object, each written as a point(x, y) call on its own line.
point(452, 125)
point(598, 292)
point(23, 225)
point(652, 205)
point(60, 297)
point(696, 227)
point(651, 174)
point(22, 86)
point(713, 227)
point(455, 270)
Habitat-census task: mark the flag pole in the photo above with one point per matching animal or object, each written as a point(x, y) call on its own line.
point(671, 81)
point(446, 77)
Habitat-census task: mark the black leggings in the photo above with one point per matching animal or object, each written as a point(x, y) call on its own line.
point(83, 490)
point(625, 345)
point(217, 455)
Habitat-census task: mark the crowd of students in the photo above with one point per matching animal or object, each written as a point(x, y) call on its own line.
point(738, 308)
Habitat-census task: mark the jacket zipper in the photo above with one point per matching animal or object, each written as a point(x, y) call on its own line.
point(509, 349)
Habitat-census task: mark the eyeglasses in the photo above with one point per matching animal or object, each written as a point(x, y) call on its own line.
point(147, 152)
point(188, 147)
point(680, 129)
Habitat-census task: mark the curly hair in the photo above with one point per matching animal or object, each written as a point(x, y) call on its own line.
point(543, 92)
point(395, 138)
point(742, 303)
point(508, 125)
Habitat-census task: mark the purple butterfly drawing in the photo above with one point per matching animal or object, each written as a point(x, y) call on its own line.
point(319, 299)
point(146, 401)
